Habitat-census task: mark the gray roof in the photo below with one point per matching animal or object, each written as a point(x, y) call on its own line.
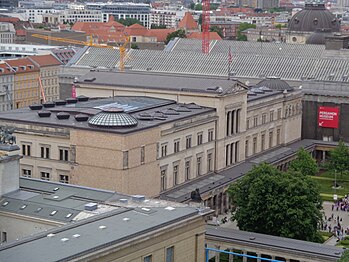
point(135, 106)
point(275, 83)
point(282, 244)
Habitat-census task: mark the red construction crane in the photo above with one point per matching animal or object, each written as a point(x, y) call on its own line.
point(205, 26)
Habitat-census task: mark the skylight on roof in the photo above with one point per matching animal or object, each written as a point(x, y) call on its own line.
point(23, 207)
point(69, 215)
point(170, 208)
point(53, 212)
point(5, 203)
point(50, 235)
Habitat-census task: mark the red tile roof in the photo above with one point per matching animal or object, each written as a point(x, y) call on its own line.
point(5, 69)
point(23, 65)
point(160, 34)
point(198, 35)
point(188, 22)
point(9, 19)
point(136, 30)
point(21, 32)
point(45, 60)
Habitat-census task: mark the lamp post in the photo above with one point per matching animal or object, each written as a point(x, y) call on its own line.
point(335, 185)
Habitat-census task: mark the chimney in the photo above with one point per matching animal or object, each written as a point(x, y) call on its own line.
point(336, 42)
point(9, 168)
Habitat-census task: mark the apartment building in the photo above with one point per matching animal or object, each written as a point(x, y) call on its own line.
point(6, 87)
point(49, 69)
point(163, 17)
point(7, 33)
point(26, 82)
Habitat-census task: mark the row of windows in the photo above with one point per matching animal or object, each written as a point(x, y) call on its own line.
point(45, 152)
point(188, 172)
point(263, 120)
point(26, 94)
point(188, 142)
point(169, 256)
point(263, 145)
point(45, 176)
point(125, 157)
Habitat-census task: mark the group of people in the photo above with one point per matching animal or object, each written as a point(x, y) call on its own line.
point(342, 204)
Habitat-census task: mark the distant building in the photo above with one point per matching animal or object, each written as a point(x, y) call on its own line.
point(6, 87)
point(188, 23)
point(7, 33)
point(8, 3)
point(229, 28)
point(163, 17)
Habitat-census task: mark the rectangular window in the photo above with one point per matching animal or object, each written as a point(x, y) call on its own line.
point(142, 155)
point(148, 258)
point(170, 254)
point(199, 138)
point(26, 150)
point(163, 150)
point(45, 152)
point(255, 120)
point(279, 113)
point(247, 123)
point(264, 119)
point(278, 137)
point(210, 135)
point(64, 154)
point(175, 175)
point(263, 142)
point(187, 170)
point(45, 176)
point(254, 148)
point(270, 139)
point(26, 173)
point(125, 159)
point(198, 165)
point(163, 180)
point(271, 116)
point(176, 146)
point(188, 142)
point(3, 237)
point(209, 162)
point(64, 179)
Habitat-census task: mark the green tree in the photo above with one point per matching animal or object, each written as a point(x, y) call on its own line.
point(278, 26)
point(269, 201)
point(338, 160)
point(179, 33)
point(242, 27)
point(304, 163)
point(134, 46)
point(154, 26)
point(344, 257)
point(218, 30)
point(129, 21)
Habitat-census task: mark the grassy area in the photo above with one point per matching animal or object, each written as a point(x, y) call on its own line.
point(325, 182)
point(326, 235)
point(343, 243)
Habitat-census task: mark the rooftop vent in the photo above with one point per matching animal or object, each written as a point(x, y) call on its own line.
point(49, 104)
point(257, 91)
point(265, 89)
point(53, 213)
point(69, 215)
point(170, 111)
point(193, 106)
point(214, 88)
point(145, 116)
point(50, 235)
point(89, 79)
point(91, 206)
point(182, 109)
point(71, 100)
point(63, 115)
point(35, 107)
point(102, 227)
point(44, 113)
point(5, 203)
point(60, 102)
point(170, 208)
point(139, 198)
point(123, 200)
point(159, 116)
point(38, 210)
point(65, 239)
point(76, 236)
point(81, 118)
point(82, 98)
point(56, 189)
point(23, 207)
point(126, 219)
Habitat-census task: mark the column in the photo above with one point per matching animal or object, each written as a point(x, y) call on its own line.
point(232, 122)
point(227, 154)
point(216, 205)
point(259, 255)
point(236, 152)
point(244, 259)
point(222, 203)
point(217, 253)
point(227, 201)
point(323, 156)
point(228, 124)
point(231, 158)
point(211, 202)
point(231, 256)
point(237, 121)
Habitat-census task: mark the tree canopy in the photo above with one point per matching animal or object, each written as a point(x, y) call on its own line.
point(242, 27)
point(179, 33)
point(218, 30)
point(154, 26)
point(272, 202)
point(344, 257)
point(304, 163)
point(129, 21)
point(339, 159)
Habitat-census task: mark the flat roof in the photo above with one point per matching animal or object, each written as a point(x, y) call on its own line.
point(135, 106)
point(287, 245)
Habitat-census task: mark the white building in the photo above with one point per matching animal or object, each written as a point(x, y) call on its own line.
point(77, 15)
point(35, 15)
point(7, 33)
point(163, 17)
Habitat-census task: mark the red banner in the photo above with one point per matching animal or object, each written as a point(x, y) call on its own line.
point(328, 117)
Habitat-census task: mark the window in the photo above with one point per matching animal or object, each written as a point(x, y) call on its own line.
point(45, 176)
point(64, 154)
point(45, 152)
point(209, 162)
point(148, 258)
point(210, 135)
point(264, 119)
point(198, 165)
point(163, 179)
point(125, 159)
point(254, 149)
point(248, 123)
point(199, 138)
point(271, 116)
point(142, 154)
point(4, 237)
point(26, 150)
point(263, 142)
point(255, 120)
point(279, 113)
point(278, 137)
point(26, 173)
point(270, 139)
point(64, 179)
point(176, 146)
point(170, 254)
point(188, 142)
point(175, 175)
point(163, 150)
point(187, 170)
point(246, 148)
